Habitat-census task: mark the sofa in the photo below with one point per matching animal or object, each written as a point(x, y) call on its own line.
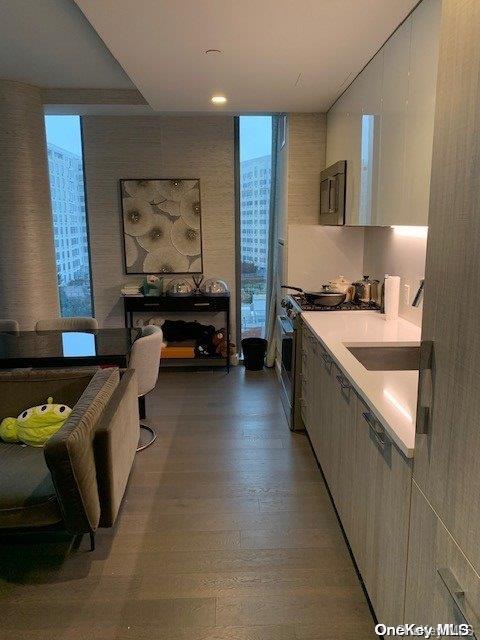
point(77, 480)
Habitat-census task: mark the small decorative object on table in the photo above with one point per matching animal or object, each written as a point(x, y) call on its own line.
point(179, 287)
point(131, 290)
point(214, 286)
point(152, 286)
point(197, 281)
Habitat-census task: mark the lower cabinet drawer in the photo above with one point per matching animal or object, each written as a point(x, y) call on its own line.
point(380, 518)
point(369, 478)
point(442, 586)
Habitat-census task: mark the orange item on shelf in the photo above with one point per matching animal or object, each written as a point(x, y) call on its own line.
point(179, 350)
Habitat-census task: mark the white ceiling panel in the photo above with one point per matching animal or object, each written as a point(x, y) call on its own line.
point(278, 55)
point(50, 43)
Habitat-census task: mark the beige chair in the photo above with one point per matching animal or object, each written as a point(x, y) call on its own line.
point(145, 359)
point(11, 326)
point(67, 324)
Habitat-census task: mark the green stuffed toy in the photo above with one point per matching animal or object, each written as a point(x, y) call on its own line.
point(36, 425)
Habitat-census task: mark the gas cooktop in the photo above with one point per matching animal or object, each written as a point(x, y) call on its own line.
point(299, 299)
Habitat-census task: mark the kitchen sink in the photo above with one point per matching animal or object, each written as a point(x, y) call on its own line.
point(387, 358)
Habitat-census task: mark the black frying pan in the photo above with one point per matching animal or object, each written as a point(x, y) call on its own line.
point(323, 298)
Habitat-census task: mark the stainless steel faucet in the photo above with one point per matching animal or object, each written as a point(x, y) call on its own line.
point(419, 294)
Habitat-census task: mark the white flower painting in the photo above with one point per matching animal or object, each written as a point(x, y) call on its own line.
point(162, 229)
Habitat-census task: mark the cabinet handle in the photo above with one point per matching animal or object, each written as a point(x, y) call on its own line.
point(379, 435)
point(150, 305)
point(343, 383)
point(326, 358)
point(425, 388)
point(457, 594)
point(201, 304)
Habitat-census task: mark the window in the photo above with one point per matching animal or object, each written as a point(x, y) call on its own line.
point(255, 143)
point(65, 164)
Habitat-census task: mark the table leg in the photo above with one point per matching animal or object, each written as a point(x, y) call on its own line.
point(228, 338)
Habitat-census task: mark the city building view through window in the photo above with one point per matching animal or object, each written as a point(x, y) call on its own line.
point(64, 146)
point(255, 134)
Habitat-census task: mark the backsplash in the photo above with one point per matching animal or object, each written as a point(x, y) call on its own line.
point(400, 252)
point(317, 254)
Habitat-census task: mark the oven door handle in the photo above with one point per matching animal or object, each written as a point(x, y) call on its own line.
point(286, 326)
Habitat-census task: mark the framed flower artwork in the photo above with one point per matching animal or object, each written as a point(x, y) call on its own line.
point(162, 225)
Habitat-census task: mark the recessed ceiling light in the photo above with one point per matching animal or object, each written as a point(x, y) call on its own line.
point(218, 99)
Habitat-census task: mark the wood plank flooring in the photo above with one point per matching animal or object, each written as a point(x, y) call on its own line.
point(226, 533)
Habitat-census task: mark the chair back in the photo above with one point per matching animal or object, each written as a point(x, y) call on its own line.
point(9, 325)
point(67, 324)
point(145, 358)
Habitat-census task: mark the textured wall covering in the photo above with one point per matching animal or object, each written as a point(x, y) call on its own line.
point(156, 147)
point(28, 277)
point(306, 158)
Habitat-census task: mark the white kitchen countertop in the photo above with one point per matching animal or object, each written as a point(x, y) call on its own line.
point(392, 395)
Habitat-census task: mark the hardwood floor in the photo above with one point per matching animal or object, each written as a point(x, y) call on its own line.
point(226, 533)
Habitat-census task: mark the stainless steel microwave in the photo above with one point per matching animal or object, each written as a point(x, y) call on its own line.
point(332, 193)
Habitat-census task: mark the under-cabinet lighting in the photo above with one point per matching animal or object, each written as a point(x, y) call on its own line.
point(398, 405)
point(218, 99)
point(410, 232)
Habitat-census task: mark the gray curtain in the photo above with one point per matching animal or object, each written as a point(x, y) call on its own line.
point(272, 276)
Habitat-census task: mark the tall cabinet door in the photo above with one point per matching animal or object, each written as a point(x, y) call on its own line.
point(393, 125)
point(442, 587)
point(447, 454)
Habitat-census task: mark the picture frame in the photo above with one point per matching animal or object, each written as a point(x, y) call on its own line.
point(161, 225)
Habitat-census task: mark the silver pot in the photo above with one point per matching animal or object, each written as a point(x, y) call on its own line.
point(366, 290)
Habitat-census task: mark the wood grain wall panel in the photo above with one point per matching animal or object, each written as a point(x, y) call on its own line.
point(447, 462)
point(157, 147)
point(28, 275)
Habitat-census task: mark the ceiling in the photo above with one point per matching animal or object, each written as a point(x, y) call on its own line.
point(278, 55)
point(50, 43)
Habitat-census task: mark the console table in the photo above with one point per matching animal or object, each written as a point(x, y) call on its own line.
point(195, 303)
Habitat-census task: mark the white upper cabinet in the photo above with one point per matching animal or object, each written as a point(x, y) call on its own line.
point(391, 175)
point(383, 126)
point(420, 110)
point(370, 83)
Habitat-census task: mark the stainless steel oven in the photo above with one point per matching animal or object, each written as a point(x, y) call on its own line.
point(285, 349)
point(289, 350)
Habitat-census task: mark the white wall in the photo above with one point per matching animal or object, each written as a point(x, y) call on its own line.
point(317, 254)
point(388, 252)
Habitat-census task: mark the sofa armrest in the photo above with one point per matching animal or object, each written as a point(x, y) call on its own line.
point(70, 457)
point(115, 445)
